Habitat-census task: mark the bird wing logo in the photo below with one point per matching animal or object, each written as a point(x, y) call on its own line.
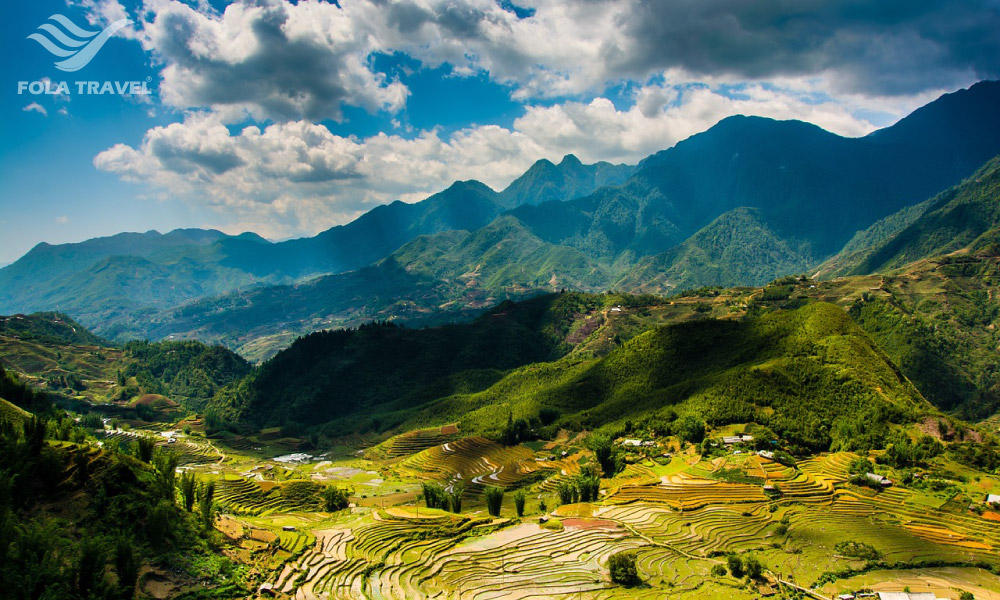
point(78, 46)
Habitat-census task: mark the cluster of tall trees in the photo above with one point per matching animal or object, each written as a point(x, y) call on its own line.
point(437, 496)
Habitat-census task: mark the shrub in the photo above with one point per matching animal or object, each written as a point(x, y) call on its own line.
point(622, 568)
point(719, 571)
point(857, 550)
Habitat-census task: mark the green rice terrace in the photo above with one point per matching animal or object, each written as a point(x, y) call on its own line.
point(687, 518)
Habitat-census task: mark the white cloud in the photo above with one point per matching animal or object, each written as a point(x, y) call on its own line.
point(62, 219)
point(36, 107)
point(284, 60)
point(297, 178)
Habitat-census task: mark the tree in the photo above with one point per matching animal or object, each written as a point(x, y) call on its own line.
point(158, 523)
point(82, 462)
point(753, 567)
point(334, 499)
point(689, 429)
point(89, 566)
point(566, 492)
point(519, 497)
point(455, 497)
point(622, 568)
point(494, 499)
point(145, 446)
point(589, 487)
point(206, 493)
point(434, 496)
point(605, 453)
point(187, 485)
point(735, 564)
point(166, 472)
point(127, 567)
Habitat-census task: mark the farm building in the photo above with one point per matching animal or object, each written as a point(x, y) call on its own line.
point(765, 454)
point(879, 479)
point(993, 499)
point(729, 440)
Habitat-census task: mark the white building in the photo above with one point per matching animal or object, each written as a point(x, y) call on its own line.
point(907, 596)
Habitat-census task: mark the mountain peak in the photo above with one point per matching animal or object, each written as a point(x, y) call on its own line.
point(570, 160)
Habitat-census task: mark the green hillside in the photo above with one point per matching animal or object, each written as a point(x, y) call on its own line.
point(12, 413)
point(737, 248)
point(50, 327)
point(433, 279)
point(44, 354)
point(966, 215)
point(810, 374)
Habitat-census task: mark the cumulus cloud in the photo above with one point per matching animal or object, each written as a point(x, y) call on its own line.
point(893, 47)
point(296, 178)
point(284, 60)
point(846, 65)
point(36, 107)
point(269, 59)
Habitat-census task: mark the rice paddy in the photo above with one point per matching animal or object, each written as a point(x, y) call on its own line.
point(679, 517)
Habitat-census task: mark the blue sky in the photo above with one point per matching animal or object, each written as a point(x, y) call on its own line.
point(286, 118)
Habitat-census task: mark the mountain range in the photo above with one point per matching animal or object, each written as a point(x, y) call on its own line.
point(742, 203)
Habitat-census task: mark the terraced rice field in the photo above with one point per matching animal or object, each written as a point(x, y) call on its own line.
point(420, 557)
point(188, 451)
point(242, 496)
point(475, 461)
point(680, 522)
point(412, 442)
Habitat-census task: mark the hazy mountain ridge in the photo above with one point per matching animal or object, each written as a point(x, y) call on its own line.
point(106, 282)
point(746, 201)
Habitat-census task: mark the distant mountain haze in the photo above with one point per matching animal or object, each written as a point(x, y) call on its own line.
point(745, 202)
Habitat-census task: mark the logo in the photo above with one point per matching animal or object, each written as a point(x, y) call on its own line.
point(76, 45)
